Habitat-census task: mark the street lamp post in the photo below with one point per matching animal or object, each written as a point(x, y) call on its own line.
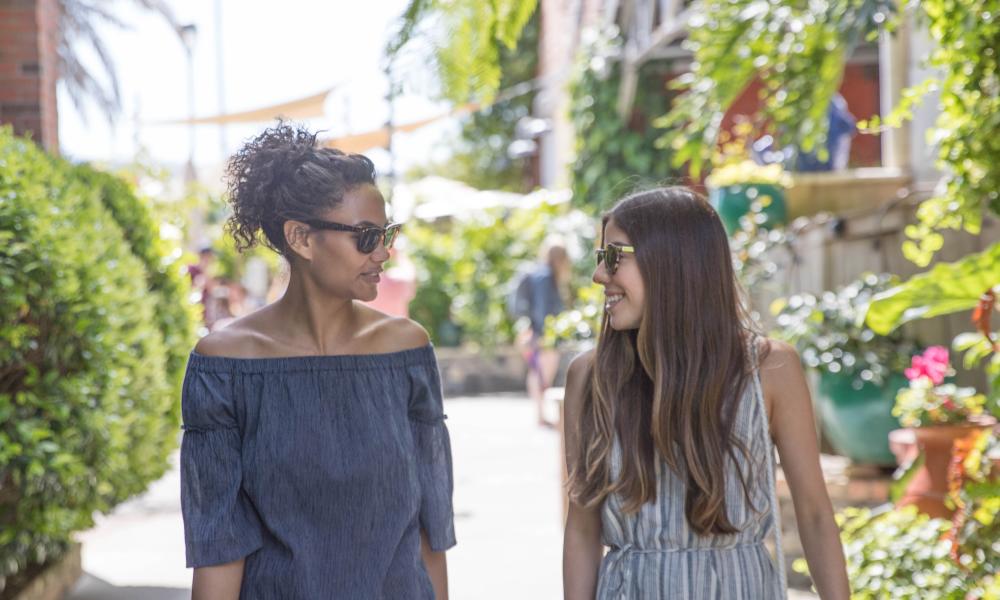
point(188, 34)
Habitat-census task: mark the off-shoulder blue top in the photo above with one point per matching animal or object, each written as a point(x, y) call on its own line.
point(320, 470)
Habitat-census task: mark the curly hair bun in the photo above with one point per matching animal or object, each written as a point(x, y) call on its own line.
point(284, 174)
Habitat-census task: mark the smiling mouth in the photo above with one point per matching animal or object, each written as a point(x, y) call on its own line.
point(610, 300)
point(372, 275)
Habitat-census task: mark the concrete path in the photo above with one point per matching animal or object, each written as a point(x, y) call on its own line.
point(507, 503)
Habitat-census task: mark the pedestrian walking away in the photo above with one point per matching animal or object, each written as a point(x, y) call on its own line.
point(541, 291)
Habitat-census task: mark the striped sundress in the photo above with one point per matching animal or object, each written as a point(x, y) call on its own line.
point(655, 555)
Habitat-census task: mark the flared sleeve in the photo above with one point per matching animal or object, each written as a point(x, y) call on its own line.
point(433, 449)
point(220, 522)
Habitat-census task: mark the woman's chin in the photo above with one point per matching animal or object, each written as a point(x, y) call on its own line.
point(622, 324)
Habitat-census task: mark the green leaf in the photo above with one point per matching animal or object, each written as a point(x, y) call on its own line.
point(945, 289)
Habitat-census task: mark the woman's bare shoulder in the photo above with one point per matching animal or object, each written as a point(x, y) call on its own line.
point(245, 337)
point(782, 379)
point(386, 333)
point(777, 358)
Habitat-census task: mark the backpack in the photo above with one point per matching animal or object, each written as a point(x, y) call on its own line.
point(519, 299)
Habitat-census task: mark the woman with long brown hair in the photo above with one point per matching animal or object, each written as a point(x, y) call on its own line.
point(672, 422)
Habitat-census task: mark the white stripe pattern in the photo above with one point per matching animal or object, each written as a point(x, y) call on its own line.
point(655, 555)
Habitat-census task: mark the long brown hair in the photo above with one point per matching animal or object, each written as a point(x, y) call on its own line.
point(670, 390)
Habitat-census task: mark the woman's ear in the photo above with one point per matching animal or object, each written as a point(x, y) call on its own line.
point(298, 239)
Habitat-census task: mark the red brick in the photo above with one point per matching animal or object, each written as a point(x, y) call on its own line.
point(29, 68)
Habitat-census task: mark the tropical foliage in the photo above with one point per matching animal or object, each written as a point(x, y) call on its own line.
point(465, 39)
point(967, 284)
point(479, 154)
point(616, 156)
point(79, 22)
point(798, 51)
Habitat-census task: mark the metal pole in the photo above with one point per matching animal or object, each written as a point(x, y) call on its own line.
point(220, 79)
point(187, 35)
point(191, 175)
point(390, 99)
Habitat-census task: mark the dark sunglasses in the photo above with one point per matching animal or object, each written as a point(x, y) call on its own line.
point(368, 236)
point(611, 255)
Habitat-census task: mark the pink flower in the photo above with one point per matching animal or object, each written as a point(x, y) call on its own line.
point(933, 364)
point(937, 354)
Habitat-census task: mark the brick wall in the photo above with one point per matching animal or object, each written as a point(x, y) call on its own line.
point(29, 68)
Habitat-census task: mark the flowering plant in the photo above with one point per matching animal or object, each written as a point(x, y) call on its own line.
point(928, 400)
point(732, 165)
point(747, 171)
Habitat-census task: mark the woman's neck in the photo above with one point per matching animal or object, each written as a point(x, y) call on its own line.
point(314, 319)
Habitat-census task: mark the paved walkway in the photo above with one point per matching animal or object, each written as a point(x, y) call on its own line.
point(507, 503)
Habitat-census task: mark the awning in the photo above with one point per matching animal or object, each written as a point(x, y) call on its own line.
point(379, 138)
point(304, 108)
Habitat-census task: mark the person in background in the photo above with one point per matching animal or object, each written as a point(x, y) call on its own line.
point(201, 270)
point(202, 279)
point(541, 292)
point(315, 461)
point(228, 302)
point(672, 423)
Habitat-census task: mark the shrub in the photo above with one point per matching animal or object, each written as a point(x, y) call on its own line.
point(88, 409)
point(829, 333)
point(897, 554)
point(175, 317)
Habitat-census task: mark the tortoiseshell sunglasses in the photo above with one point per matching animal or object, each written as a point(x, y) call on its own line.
point(611, 255)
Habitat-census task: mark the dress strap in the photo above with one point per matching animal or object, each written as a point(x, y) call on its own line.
point(770, 468)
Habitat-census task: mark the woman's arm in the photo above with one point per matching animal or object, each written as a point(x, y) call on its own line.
point(582, 548)
point(793, 429)
point(218, 582)
point(437, 567)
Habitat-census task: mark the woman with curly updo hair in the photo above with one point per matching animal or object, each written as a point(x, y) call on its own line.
point(315, 461)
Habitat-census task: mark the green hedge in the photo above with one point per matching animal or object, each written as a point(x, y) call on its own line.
point(176, 318)
point(95, 324)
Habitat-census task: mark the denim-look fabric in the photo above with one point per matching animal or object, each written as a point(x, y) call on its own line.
point(545, 298)
point(320, 470)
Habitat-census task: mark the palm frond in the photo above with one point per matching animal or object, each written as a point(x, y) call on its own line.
point(77, 29)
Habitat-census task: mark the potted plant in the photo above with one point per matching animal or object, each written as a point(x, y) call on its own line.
point(737, 184)
point(939, 414)
point(859, 371)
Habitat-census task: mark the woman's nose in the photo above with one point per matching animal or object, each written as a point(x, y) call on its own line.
point(381, 254)
point(601, 275)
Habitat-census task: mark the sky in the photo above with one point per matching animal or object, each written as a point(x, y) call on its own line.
point(272, 52)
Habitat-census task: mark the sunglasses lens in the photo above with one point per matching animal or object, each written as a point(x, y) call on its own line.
point(390, 236)
point(611, 260)
point(368, 239)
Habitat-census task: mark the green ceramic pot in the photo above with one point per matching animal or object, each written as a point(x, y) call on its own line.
point(733, 201)
point(857, 422)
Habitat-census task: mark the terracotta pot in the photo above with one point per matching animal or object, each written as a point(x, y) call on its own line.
point(928, 487)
